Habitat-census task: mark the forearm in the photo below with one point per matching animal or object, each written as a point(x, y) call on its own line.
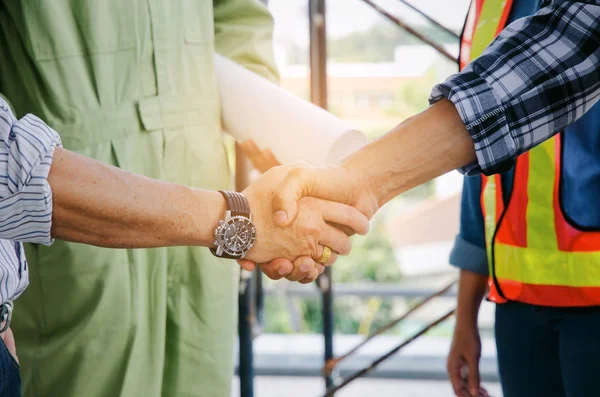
point(105, 206)
point(419, 149)
point(471, 290)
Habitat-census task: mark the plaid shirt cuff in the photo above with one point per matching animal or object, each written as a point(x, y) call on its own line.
point(484, 117)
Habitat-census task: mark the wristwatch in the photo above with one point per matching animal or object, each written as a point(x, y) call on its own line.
point(236, 234)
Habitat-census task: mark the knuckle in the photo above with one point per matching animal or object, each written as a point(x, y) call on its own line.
point(346, 247)
point(297, 173)
point(292, 277)
point(270, 272)
point(348, 215)
point(311, 230)
point(309, 202)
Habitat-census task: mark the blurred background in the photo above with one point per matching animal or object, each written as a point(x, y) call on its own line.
point(377, 75)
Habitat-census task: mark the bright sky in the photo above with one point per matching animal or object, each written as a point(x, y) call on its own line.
point(345, 16)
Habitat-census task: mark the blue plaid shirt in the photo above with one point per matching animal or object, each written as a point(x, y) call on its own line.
point(540, 75)
point(26, 150)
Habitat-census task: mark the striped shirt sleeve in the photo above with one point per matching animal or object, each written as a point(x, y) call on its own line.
point(26, 150)
point(540, 75)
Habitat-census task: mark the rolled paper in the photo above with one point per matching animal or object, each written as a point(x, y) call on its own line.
point(293, 129)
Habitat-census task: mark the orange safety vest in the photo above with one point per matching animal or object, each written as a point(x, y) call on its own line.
point(535, 255)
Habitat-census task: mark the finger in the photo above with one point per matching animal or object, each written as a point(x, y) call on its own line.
point(343, 228)
point(278, 268)
point(249, 148)
point(246, 264)
point(303, 266)
point(335, 239)
point(265, 161)
point(473, 376)
point(312, 276)
point(300, 181)
point(332, 259)
point(343, 214)
point(320, 268)
point(454, 373)
point(293, 187)
point(270, 158)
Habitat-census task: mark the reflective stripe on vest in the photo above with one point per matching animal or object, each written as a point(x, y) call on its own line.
point(535, 255)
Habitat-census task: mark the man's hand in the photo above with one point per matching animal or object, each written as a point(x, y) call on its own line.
point(340, 184)
point(263, 160)
point(9, 340)
point(463, 361)
point(302, 240)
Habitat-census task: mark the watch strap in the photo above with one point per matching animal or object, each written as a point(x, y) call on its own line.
point(224, 255)
point(237, 203)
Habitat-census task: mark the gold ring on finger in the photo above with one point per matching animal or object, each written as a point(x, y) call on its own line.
point(325, 255)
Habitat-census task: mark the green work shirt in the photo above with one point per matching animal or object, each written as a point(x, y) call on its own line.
point(130, 83)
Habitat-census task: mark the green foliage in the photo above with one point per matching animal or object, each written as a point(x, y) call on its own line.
point(372, 259)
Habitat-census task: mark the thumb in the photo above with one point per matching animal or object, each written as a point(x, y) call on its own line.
point(324, 183)
point(473, 377)
point(246, 264)
point(296, 184)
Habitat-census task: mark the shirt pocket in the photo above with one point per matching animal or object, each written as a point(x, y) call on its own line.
point(60, 29)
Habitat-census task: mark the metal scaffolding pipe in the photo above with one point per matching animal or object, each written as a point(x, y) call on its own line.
point(331, 364)
point(430, 19)
point(330, 392)
point(245, 316)
point(318, 92)
point(411, 30)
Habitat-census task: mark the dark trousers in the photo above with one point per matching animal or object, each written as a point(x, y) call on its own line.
point(10, 379)
point(548, 352)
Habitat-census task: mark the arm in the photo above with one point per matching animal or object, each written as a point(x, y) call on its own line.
point(469, 256)
point(106, 206)
point(48, 191)
point(244, 34)
point(516, 95)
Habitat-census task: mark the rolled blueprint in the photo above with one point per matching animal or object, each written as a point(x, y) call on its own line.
point(293, 129)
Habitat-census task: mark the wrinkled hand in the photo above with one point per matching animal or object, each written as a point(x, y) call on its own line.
point(9, 340)
point(463, 361)
point(263, 160)
point(301, 242)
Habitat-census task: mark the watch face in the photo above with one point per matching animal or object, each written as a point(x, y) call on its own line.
point(235, 235)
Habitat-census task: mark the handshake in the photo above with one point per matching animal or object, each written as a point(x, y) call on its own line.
point(304, 217)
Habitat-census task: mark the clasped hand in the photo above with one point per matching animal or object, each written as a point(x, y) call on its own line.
point(289, 245)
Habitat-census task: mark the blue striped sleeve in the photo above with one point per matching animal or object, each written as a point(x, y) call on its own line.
point(26, 149)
